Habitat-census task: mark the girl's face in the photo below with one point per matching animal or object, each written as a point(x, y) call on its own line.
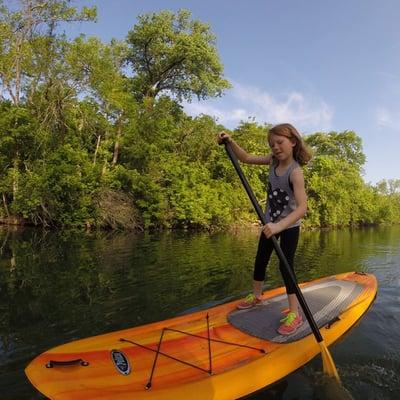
point(281, 146)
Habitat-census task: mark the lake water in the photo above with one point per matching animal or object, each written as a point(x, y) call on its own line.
point(56, 287)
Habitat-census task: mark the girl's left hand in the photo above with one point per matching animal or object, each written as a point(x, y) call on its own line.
point(270, 229)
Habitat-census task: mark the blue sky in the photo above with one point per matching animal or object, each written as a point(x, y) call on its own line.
point(321, 65)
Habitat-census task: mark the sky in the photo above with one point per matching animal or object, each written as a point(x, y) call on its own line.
point(331, 65)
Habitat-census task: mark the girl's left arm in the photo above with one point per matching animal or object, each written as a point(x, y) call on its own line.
point(297, 179)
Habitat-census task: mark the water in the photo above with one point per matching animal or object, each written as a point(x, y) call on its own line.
point(55, 288)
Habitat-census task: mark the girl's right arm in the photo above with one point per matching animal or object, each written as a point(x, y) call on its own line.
point(242, 154)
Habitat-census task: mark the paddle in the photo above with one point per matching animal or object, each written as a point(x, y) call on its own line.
point(327, 360)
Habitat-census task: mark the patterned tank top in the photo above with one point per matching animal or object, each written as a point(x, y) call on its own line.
point(280, 196)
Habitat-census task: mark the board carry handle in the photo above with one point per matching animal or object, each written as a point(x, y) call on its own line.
point(68, 363)
point(328, 364)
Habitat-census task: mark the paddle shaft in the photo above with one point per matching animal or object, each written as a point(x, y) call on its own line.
point(275, 243)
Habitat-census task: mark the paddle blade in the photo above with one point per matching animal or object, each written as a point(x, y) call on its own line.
point(328, 388)
point(327, 362)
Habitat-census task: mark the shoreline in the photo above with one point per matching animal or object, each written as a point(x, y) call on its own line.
point(19, 222)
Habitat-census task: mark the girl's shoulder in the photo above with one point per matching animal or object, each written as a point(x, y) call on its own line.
point(295, 166)
point(296, 176)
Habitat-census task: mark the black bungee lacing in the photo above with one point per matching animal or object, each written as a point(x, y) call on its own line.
point(208, 338)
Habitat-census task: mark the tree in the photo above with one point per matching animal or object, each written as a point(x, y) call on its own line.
point(29, 42)
point(19, 146)
point(334, 188)
point(170, 53)
point(387, 187)
point(346, 146)
point(98, 67)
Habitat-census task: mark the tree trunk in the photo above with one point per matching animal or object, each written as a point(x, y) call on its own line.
point(117, 141)
point(104, 169)
point(15, 176)
point(16, 95)
point(5, 205)
point(97, 149)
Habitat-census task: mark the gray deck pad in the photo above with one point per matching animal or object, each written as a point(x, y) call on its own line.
point(326, 300)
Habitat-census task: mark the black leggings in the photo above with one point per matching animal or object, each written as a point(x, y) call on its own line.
point(288, 242)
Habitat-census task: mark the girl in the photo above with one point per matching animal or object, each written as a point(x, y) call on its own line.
point(286, 205)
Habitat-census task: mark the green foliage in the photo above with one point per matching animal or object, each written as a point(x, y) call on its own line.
point(17, 135)
point(334, 188)
point(346, 146)
point(70, 183)
point(30, 47)
point(194, 199)
point(170, 53)
point(59, 190)
point(93, 134)
point(388, 201)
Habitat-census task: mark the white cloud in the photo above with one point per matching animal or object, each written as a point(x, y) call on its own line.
point(229, 117)
point(384, 118)
point(244, 102)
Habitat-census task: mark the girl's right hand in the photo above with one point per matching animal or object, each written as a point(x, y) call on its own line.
point(223, 136)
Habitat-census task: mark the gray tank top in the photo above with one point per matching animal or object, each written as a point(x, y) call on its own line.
point(280, 195)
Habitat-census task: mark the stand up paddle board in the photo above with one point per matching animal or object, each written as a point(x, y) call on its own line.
point(221, 353)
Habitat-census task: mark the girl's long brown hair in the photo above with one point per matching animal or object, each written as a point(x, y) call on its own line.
point(301, 152)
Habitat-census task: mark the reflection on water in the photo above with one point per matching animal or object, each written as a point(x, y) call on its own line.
point(56, 287)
